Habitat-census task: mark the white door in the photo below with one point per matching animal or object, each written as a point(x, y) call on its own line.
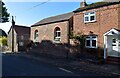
point(115, 47)
point(115, 44)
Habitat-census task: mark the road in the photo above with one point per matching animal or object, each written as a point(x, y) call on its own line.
point(13, 65)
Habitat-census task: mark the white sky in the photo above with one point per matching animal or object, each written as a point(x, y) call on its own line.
point(5, 26)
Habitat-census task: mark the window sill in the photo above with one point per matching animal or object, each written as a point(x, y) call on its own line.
point(90, 22)
point(57, 42)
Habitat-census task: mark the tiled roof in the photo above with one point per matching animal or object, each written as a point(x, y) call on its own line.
point(20, 30)
point(54, 19)
point(95, 5)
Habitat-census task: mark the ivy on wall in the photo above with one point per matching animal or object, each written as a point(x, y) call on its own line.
point(79, 36)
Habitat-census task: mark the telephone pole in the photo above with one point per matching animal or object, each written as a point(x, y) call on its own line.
point(13, 24)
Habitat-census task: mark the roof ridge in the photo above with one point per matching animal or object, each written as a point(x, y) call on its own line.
point(56, 18)
point(59, 14)
point(95, 5)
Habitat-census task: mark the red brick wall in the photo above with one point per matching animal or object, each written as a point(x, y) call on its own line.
point(106, 18)
point(46, 32)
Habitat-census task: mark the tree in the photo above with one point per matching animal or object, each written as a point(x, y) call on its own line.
point(4, 15)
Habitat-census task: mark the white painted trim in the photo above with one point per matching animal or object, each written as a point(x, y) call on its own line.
point(105, 39)
point(89, 15)
point(112, 30)
point(105, 47)
point(90, 38)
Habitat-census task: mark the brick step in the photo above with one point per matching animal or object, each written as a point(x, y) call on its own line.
point(113, 60)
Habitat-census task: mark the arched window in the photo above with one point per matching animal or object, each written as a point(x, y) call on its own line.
point(57, 34)
point(36, 34)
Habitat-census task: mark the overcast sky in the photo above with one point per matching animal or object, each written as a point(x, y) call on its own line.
point(27, 13)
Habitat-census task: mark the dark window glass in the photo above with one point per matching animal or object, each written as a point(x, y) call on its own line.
point(93, 36)
point(94, 43)
point(87, 42)
point(92, 13)
point(36, 34)
point(92, 18)
point(55, 34)
point(113, 44)
point(58, 34)
point(87, 37)
point(86, 18)
point(114, 40)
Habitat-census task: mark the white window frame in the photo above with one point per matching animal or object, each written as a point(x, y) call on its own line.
point(90, 38)
point(88, 14)
point(21, 43)
point(56, 35)
point(36, 33)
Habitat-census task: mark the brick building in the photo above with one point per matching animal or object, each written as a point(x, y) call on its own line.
point(21, 37)
point(100, 24)
point(55, 29)
point(52, 34)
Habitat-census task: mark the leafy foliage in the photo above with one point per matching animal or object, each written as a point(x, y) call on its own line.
point(3, 41)
point(80, 37)
point(4, 15)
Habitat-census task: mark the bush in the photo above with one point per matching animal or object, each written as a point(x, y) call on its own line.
point(3, 41)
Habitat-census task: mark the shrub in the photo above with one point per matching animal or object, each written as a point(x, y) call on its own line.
point(3, 41)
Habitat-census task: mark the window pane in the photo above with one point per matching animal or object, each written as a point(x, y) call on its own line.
point(21, 44)
point(92, 13)
point(87, 42)
point(36, 34)
point(86, 18)
point(58, 34)
point(94, 43)
point(93, 36)
point(55, 34)
point(87, 37)
point(92, 18)
point(114, 40)
point(86, 13)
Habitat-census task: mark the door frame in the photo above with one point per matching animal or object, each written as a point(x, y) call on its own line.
point(111, 32)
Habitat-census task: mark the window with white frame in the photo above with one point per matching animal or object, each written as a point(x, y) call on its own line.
point(36, 34)
point(91, 42)
point(89, 17)
point(57, 34)
point(21, 43)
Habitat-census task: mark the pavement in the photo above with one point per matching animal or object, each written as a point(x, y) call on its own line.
point(103, 69)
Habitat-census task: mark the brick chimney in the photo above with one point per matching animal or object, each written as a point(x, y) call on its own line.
point(83, 4)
